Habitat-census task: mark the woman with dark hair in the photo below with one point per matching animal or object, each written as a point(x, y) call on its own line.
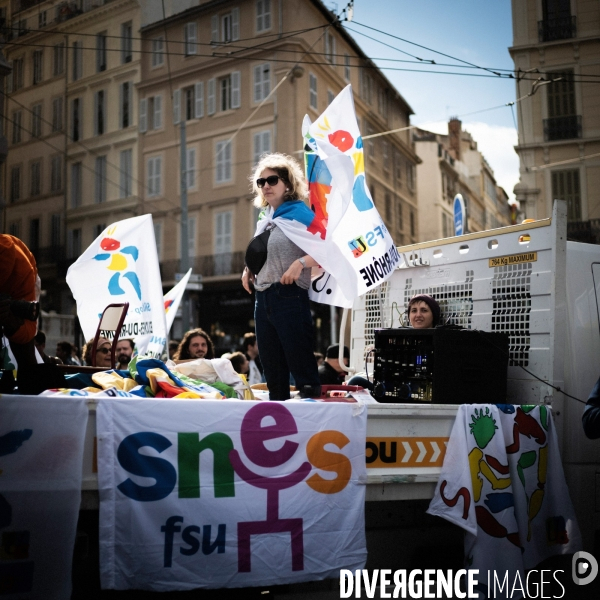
point(284, 326)
point(423, 312)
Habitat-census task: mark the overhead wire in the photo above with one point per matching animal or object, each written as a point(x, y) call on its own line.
point(309, 52)
point(493, 72)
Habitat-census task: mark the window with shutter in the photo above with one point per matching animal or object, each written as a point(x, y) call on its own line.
point(262, 82)
point(126, 42)
point(143, 118)
point(191, 237)
point(56, 174)
point(190, 32)
point(158, 239)
point(177, 107)
point(223, 242)
point(212, 96)
point(76, 183)
point(199, 98)
point(100, 180)
point(235, 89)
point(57, 114)
point(261, 144)
point(313, 90)
point(157, 122)
point(223, 162)
point(126, 174)
point(158, 51)
point(99, 116)
point(214, 29)
point(191, 168)
point(263, 15)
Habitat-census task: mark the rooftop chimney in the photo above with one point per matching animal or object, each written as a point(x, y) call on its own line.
point(454, 131)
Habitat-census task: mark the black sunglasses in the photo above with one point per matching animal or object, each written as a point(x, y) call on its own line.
point(103, 350)
point(271, 180)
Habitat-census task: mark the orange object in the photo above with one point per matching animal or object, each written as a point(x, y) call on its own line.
point(18, 272)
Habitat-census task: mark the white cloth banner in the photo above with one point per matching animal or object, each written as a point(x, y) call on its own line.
point(41, 457)
point(278, 498)
point(121, 265)
point(172, 299)
point(502, 481)
point(342, 230)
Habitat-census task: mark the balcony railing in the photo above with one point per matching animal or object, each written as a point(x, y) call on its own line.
point(562, 128)
point(228, 263)
point(63, 11)
point(584, 231)
point(563, 28)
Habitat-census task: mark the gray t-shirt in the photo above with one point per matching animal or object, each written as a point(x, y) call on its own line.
point(281, 253)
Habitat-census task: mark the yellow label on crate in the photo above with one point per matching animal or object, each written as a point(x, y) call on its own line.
point(513, 259)
point(392, 452)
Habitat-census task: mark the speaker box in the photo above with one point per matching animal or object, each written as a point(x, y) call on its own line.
point(441, 366)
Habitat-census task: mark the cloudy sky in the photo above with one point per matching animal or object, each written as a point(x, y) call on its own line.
point(459, 33)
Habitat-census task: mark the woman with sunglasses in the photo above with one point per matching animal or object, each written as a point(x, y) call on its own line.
point(102, 353)
point(284, 325)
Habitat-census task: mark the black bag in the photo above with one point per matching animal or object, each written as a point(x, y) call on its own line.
point(256, 252)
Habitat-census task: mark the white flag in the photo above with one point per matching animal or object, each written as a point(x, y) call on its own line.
point(342, 229)
point(121, 265)
point(173, 298)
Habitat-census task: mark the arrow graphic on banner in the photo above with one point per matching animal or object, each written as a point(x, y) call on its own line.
point(390, 452)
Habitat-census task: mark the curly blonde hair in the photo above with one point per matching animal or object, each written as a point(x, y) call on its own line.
point(288, 170)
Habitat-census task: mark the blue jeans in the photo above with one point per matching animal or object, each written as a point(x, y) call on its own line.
point(284, 331)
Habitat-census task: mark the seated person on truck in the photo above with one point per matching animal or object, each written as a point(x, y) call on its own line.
point(591, 414)
point(423, 312)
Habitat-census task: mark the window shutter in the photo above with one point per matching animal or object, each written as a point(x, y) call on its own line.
point(199, 96)
point(96, 113)
point(157, 121)
point(191, 168)
point(9, 78)
point(212, 96)
point(191, 39)
point(235, 90)
point(257, 147)
point(235, 24)
point(214, 29)
point(143, 120)
point(130, 101)
point(150, 183)
point(158, 175)
point(266, 144)
point(257, 83)
point(121, 98)
point(177, 107)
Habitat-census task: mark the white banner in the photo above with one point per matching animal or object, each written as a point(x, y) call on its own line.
point(121, 265)
point(278, 498)
point(172, 299)
point(342, 230)
point(41, 457)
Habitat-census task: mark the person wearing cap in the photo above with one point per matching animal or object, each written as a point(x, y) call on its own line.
point(331, 372)
point(423, 312)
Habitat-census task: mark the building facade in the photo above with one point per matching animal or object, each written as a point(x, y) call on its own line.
point(556, 52)
point(241, 79)
point(452, 164)
point(96, 103)
point(72, 156)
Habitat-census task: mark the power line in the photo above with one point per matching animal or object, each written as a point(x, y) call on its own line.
point(335, 64)
point(426, 48)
